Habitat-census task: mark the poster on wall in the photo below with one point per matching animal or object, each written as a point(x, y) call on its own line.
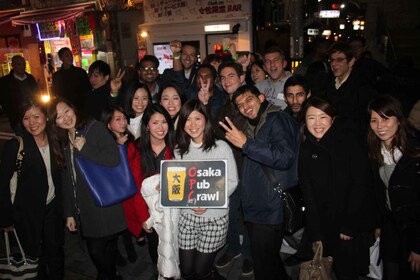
point(157, 11)
point(191, 184)
point(164, 54)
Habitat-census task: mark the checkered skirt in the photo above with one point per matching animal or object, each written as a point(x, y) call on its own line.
point(206, 235)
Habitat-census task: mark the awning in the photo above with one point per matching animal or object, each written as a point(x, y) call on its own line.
point(5, 16)
point(53, 14)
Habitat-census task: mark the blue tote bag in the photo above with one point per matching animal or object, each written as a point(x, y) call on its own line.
point(109, 185)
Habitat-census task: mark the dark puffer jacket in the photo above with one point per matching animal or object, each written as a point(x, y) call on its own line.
point(274, 142)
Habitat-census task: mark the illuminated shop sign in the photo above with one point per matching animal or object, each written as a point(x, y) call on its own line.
point(50, 30)
point(329, 14)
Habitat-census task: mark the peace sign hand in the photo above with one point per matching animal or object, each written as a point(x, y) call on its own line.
point(203, 94)
point(116, 83)
point(233, 135)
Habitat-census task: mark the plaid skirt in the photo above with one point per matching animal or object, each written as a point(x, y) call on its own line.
point(206, 235)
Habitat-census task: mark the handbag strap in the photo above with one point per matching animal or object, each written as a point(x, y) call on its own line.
point(6, 238)
point(274, 182)
point(85, 131)
point(20, 154)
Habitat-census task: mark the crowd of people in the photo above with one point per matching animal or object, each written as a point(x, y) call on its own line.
point(353, 151)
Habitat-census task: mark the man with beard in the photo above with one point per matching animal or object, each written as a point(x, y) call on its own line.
point(183, 71)
point(148, 72)
point(296, 91)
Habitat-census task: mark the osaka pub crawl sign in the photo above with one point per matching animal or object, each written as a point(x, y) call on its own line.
point(188, 184)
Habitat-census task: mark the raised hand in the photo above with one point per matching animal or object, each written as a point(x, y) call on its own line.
point(176, 47)
point(244, 60)
point(233, 135)
point(203, 94)
point(116, 83)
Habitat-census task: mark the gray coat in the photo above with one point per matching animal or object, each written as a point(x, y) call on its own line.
point(93, 221)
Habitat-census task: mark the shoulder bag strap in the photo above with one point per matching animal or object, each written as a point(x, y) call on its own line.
point(20, 150)
point(85, 131)
point(274, 182)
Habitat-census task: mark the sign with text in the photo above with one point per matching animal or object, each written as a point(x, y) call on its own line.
point(157, 11)
point(190, 184)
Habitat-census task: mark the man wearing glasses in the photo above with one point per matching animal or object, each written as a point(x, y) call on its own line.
point(148, 72)
point(349, 92)
point(273, 86)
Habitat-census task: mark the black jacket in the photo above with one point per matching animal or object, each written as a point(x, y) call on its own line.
point(94, 221)
point(97, 100)
point(27, 212)
point(13, 92)
point(334, 177)
point(404, 194)
point(351, 100)
point(274, 142)
point(71, 84)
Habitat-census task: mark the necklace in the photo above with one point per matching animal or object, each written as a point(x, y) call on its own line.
point(43, 149)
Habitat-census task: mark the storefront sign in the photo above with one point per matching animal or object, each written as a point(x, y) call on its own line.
point(157, 11)
point(83, 27)
point(189, 184)
point(50, 30)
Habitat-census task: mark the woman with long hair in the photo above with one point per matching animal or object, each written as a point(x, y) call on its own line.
point(395, 156)
point(99, 226)
point(137, 98)
point(172, 99)
point(36, 212)
point(202, 231)
point(144, 156)
point(116, 122)
point(334, 178)
point(258, 74)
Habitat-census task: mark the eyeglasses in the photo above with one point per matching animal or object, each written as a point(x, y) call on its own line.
point(145, 69)
point(338, 59)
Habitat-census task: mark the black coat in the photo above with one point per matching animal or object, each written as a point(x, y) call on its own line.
point(94, 221)
point(335, 180)
point(27, 212)
point(97, 100)
point(13, 92)
point(71, 84)
point(404, 194)
point(351, 101)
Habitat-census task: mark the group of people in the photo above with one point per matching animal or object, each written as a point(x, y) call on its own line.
point(351, 151)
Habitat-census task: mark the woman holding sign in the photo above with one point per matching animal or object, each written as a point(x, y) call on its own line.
point(202, 231)
point(144, 156)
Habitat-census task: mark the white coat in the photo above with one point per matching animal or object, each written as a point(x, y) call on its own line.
point(165, 222)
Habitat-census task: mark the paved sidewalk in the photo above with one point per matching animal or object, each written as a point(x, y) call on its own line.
point(80, 267)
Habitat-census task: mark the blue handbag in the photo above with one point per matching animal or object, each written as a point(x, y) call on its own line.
point(109, 185)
